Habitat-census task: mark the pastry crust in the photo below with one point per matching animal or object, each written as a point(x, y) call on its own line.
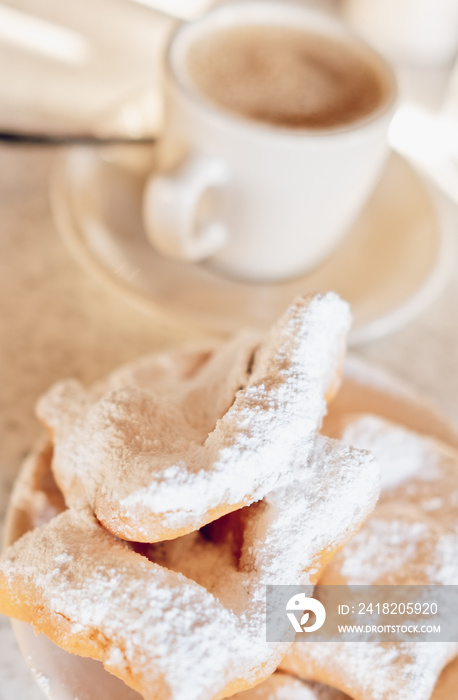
point(155, 465)
point(410, 538)
point(184, 619)
point(93, 595)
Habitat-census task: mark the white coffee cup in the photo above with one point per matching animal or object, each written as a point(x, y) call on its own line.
point(258, 201)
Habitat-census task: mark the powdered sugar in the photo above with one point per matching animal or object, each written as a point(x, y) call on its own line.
point(191, 620)
point(155, 624)
point(443, 567)
point(388, 544)
point(43, 682)
point(403, 542)
point(331, 493)
point(171, 461)
point(400, 452)
point(369, 671)
point(148, 622)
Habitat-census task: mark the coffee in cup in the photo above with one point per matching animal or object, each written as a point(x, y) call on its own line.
point(276, 119)
point(286, 77)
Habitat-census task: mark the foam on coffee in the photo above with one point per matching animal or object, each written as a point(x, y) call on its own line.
point(286, 76)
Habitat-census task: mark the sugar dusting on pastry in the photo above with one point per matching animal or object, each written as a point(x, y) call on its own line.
point(150, 626)
point(404, 542)
point(184, 618)
point(179, 460)
point(158, 617)
point(150, 623)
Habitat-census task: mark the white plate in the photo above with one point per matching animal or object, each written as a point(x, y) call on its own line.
point(389, 267)
point(64, 676)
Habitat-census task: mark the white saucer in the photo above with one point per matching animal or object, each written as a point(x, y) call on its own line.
point(389, 267)
point(63, 676)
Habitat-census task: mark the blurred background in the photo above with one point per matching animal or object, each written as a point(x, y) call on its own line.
point(83, 65)
point(93, 66)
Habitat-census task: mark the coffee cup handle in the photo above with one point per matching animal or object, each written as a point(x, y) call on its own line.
point(170, 210)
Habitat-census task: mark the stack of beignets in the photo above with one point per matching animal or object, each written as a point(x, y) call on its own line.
point(219, 460)
point(411, 539)
point(170, 494)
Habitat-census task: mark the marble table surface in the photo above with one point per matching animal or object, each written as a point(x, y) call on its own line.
point(55, 321)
